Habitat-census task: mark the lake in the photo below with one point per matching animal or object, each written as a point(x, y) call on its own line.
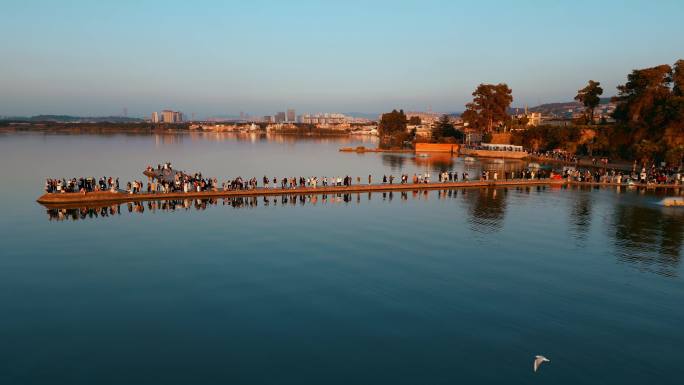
point(443, 287)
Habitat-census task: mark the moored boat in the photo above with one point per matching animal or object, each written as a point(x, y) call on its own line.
point(491, 150)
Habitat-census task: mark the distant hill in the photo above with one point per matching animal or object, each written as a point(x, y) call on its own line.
point(72, 119)
point(560, 109)
point(224, 118)
point(363, 115)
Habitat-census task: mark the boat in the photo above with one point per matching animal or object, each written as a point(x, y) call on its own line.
point(491, 150)
point(469, 159)
point(422, 155)
point(166, 173)
point(672, 202)
point(534, 165)
point(498, 161)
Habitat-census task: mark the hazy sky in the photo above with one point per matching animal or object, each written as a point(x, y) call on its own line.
point(97, 57)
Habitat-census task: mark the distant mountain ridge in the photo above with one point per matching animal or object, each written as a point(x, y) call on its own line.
point(559, 108)
point(71, 119)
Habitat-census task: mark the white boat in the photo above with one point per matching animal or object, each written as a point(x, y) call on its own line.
point(534, 165)
point(673, 202)
point(469, 159)
point(491, 150)
point(498, 161)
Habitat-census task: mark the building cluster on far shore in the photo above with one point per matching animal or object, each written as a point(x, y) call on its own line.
point(167, 116)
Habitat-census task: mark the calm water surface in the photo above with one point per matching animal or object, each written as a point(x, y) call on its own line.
point(460, 286)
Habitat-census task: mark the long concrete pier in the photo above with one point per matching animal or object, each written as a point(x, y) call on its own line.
point(104, 197)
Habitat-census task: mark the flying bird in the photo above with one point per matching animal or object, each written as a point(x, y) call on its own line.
point(538, 361)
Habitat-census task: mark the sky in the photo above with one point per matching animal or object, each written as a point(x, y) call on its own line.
point(95, 58)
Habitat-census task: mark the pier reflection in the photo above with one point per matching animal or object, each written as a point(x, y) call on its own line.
point(75, 213)
point(649, 238)
point(580, 216)
point(487, 209)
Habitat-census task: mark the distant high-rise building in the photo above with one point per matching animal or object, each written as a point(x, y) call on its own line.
point(280, 117)
point(291, 115)
point(324, 118)
point(167, 116)
point(155, 117)
point(170, 116)
point(268, 119)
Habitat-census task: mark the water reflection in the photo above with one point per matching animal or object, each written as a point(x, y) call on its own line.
point(92, 212)
point(394, 161)
point(437, 162)
point(649, 238)
point(580, 215)
point(74, 213)
point(487, 209)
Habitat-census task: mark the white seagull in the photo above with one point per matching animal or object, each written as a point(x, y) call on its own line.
point(538, 361)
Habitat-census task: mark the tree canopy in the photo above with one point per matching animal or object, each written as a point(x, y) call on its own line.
point(590, 97)
point(489, 107)
point(444, 129)
point(650, 112)
point(392, 123)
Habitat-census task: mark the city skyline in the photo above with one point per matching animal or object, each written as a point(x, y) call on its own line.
point(97, 59)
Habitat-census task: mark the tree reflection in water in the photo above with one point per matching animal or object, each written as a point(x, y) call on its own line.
point(650, 238)
point(394, 161)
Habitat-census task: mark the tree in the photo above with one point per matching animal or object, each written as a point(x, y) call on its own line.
point(678, 78)
point(489, 106)
point(646, 150)
point(392, 123)
point(650, 112)
point(644, 91)
point(414, 121)
point(589, 96)
point(444, 129)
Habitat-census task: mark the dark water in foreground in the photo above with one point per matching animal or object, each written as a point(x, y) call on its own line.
point(462, 286)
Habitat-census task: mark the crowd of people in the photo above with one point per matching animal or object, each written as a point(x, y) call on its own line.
point(178, 181)
point(81, 184)
point(647, 175)
point(558, 156)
